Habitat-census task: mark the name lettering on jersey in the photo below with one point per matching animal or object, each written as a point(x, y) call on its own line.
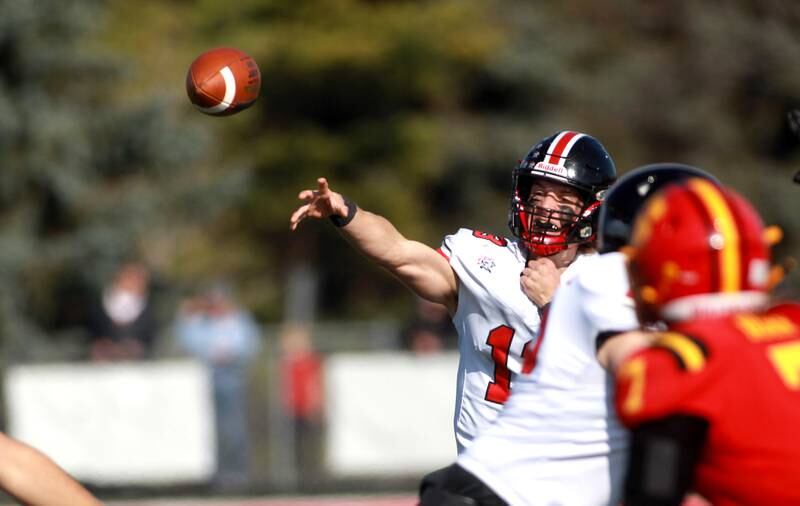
point(758, 328)
point(689, 352)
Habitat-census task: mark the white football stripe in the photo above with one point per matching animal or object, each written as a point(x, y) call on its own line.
point(230, 93)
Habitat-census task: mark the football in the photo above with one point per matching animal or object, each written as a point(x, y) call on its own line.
point(223, 81)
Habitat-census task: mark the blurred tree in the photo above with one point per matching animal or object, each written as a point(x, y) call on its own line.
point(710, 86)
point(418, 110)
point(415, 109)
point(88, 178)
point(363, 92)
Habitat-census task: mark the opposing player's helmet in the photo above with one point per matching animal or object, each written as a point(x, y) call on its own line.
point(697, 249)
point(574, 159)
point(628, 194)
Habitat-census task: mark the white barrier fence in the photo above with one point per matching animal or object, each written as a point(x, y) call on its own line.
point(153, 423)
point(143, 423)
point(390, 413)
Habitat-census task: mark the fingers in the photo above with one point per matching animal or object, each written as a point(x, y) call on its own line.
point(531, 276)
point(306, 195)
point(538, 283)
point(542, 262)
point(539, 269)
point(322, 190)
point(316, 202)
point(298, 216)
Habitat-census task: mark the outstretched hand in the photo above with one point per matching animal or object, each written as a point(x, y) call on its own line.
point(319, 203)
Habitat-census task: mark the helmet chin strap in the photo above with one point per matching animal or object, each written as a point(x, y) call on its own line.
point(558, 257)
point(545, 250)
point(540, 243)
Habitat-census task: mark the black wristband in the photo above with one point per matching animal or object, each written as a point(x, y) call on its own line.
point(341, 221)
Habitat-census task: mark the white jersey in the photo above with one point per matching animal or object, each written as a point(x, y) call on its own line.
point(558, 440)
point(494, 320)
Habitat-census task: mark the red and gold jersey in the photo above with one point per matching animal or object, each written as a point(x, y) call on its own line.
point(741, 373)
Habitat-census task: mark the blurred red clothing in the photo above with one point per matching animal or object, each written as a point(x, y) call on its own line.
point(301, 377)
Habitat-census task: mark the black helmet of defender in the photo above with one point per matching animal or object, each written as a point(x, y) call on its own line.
point(576, 160)
point(627, 196)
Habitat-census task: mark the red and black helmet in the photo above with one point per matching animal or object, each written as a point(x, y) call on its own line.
point(571, 158)
point(698, 249)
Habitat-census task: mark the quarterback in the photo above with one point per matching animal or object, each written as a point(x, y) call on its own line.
point(558, 440)
point(492, 286)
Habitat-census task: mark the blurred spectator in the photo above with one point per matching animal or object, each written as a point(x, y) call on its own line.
point(423, 338)
point(430, 329)
point(213, 328)
point(301, 379)
point(121, 323)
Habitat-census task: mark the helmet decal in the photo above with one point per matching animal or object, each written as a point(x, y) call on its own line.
point(559, 149)
point(558, 170)
point(725, 239)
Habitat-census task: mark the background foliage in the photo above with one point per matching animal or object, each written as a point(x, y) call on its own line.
point(415, 109)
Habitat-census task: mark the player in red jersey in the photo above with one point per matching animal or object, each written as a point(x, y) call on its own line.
point(714, 402)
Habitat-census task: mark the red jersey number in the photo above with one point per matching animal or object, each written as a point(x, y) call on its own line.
point(500, 341)
point(492, 238)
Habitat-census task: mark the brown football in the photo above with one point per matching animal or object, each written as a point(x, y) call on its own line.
point(223, 81)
